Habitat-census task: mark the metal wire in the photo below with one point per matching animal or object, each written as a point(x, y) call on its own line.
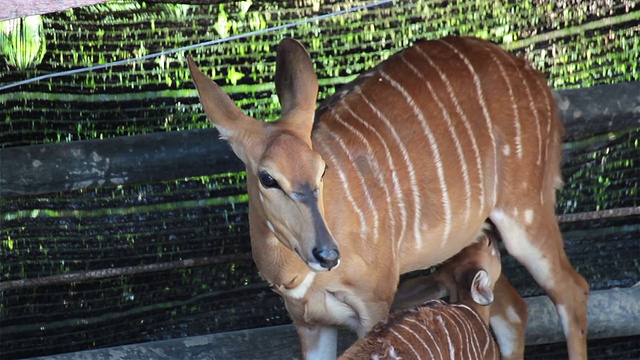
point(194, 46)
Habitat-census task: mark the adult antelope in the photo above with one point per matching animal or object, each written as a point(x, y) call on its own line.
point(397, 172)
point(437, 330)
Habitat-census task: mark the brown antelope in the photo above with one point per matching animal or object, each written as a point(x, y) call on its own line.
point(397, 172)
point(508, 310)
point(437, 330)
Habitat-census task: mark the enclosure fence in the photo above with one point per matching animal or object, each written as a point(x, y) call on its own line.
point(124, 218)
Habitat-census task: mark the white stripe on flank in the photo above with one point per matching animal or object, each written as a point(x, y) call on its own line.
point(547, 102)
point(437, 160)
point(452, 130)
point(452, 353)
point(471, 336)
point(474, 342)
point(417, 337)
point(345, 185)
point(392, 169)
point(465, 121)
point(514, 107)
point(486, 334)
point(485, 111)
point(405, 156)
point(427, 331)
point(373, 162)
point(406, 342)
point(537, 119)
point(365, 188)
point(447, 312)
point(532, 107)
point(458, 323)
point(427, 343)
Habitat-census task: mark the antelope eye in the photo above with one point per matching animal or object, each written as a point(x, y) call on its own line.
point(267, 180)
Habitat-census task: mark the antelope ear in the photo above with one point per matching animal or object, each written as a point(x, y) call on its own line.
point(481, 291)
point(296, 83)
point(218, 106)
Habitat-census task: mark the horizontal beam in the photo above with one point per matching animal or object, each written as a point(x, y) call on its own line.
point(12, 9)
point(39, 169)
point(599, 109)
point(611, 313)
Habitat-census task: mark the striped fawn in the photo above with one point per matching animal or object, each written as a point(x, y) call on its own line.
point(508, 311)
point(398, 171)
point(439, 330)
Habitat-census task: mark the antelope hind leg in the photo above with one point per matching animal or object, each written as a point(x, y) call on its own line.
point(537, 244)
point(508, 319)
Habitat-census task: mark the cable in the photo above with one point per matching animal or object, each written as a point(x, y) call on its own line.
point(194, 46)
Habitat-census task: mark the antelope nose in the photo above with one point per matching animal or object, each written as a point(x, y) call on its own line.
point(328, 258)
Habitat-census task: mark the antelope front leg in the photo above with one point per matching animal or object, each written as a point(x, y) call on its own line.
point(318, 342)
point(508, 319)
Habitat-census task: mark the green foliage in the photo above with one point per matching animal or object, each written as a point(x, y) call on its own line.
point(577, 45)
point(22, 42)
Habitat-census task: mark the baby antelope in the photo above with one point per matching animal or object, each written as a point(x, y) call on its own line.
point(436, 329)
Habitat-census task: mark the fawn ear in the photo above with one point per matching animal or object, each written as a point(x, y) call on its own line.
point(481, 291)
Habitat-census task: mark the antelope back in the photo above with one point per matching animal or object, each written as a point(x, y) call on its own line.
point(423, 147)
point(436, 330)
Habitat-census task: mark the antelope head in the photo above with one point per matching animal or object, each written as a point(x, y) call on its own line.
point(284, 173)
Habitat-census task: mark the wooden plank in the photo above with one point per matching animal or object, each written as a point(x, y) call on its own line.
point(135, 159)
point(12, 9)
point(40, 169)
point(120, 271)
point(599, 109)
point(611, 313)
